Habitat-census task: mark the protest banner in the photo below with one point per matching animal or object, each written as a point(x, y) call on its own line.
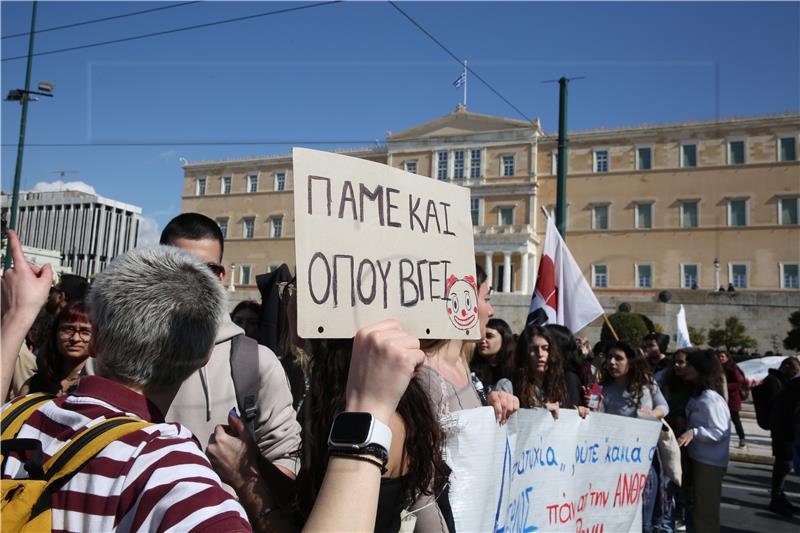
point(374, 242)
point(539, 474)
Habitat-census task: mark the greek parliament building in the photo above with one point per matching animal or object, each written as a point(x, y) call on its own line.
point(690, 205)
point(88, 230)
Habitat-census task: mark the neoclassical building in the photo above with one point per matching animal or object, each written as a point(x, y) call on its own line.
point(691, 205)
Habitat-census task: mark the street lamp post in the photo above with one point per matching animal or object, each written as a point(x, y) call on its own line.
point(231, 286)
point(716, 273)
point(23, 96)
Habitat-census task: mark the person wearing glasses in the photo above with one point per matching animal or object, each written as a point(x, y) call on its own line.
point(64, 353)
point(205, 399)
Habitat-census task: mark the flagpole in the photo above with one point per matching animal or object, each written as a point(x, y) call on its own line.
point(608, 323)
point(465, 83)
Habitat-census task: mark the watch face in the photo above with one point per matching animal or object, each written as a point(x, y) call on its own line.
point(351, 428)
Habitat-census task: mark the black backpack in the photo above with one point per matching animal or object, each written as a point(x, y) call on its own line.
point(764, 396)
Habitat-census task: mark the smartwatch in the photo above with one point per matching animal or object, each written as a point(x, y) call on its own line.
point(360, 433)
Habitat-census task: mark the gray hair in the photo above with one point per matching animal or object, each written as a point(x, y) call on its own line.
point(156, 312)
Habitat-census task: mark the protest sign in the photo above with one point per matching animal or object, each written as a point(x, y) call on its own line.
point(539, 474)
point(375, 242)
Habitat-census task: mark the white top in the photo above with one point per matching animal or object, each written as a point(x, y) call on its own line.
point(710, 421)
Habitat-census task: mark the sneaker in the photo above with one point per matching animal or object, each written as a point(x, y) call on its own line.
point(742, 443)
point(680, 525)
point(780, 505)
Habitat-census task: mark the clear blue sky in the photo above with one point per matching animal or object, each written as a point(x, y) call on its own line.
point(347, 73)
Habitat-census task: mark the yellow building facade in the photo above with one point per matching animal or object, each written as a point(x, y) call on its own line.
point(693, 205)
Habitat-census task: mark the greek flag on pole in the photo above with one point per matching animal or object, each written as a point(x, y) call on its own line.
point(460, 81)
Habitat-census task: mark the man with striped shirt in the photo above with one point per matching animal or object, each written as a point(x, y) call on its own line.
point(155, 313)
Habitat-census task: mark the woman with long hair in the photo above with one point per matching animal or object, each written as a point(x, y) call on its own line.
point(575, 375)
point(736, 384)
point(494, 354)
point(416, 472)
point(64, 352)
point(708, 439)
point(629, 389)
point(538, 373)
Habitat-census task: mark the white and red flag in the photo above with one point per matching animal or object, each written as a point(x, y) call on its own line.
point(562, 295)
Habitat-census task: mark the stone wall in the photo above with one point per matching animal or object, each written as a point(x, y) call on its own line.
point(764, 314)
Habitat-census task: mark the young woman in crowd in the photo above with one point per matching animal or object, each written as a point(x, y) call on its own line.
point(446, 379)
point(708, 439)
point(575, 376)
point(65, 350)
point(494, 354)
point(736, 385)
point(539, 375)
point(629, 389)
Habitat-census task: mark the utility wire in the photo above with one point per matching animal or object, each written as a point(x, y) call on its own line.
point(175, 30)
point(460, 62)
point(371, 143)
point(104, 19)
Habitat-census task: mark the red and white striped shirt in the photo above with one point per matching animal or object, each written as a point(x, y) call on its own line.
point(154, 479)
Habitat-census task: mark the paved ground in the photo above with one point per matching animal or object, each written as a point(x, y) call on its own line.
point(745, 496)
point(746, 487)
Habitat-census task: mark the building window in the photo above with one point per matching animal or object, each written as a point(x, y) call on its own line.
point(738, 275)
point(689, 214)
point(474, 164)
point(226, 184)
point(737, 212)
point(600, 216)
point(248, 227)
point(411, 166)
point(644, 215)
point(276, 224)
point(689, 276)
point(201, 186)
point(601, 161)
point(644, 158)
point(508, 165)
point(505, 216)
point(252, 183)
point(788, 149)
point(441, 166)
point(689, 155)
point(280, 181)
point(736, 153)
point(644, 276)
point(244, 275)
point(787, 211)
point(475, 210)
point(599, 276)
point(458, 164)
point(790, 275)
point(223, 226)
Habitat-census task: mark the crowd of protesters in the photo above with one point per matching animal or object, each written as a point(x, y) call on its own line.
point(240, 405)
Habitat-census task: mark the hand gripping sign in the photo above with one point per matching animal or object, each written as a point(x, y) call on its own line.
point(375, 242)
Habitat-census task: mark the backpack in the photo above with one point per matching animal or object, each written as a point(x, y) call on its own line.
point(245, 375)
point(25, 503)
point(763, 396)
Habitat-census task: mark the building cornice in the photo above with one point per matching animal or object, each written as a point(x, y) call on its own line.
point(251, 161)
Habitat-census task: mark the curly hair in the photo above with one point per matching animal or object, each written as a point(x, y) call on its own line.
point(639, 375)
point(51, 361)
point(504, 361)
point(533, 388)
point(330, 364)
point(708, 368)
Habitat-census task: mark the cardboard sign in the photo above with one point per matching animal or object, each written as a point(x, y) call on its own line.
point(539, 474)
point(374, 242)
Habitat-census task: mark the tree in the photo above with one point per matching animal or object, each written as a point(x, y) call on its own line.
point(732, 337)
point(792, 340)
point(630, 327)
point(697, 336)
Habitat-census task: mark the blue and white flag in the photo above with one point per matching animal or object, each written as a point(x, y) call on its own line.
point(461, 79)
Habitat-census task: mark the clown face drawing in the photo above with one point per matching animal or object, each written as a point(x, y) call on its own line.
point(462, 302)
